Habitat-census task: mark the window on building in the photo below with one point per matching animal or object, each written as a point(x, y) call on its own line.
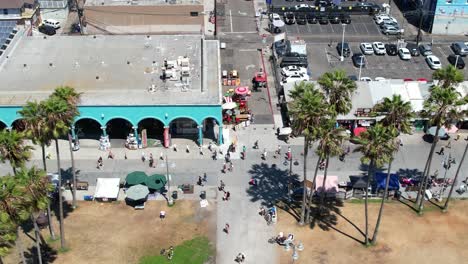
point(5, 11)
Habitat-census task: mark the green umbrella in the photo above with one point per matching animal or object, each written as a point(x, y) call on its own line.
point(136, 177)
point(137, 192)
point(156, 181)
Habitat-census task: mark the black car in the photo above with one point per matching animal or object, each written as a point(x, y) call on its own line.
point(311, 19)
point(289, 18)
point(345, 19)
point(413, 49)
point(301, 19)
point(334, 18)
point(323, 3)
point(452, 59)
point(359, 60)
point(48, 30)
point(322, 20)
point(391, 49)
point(345, 48)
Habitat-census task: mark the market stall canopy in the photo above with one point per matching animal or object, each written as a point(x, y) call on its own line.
point(431, 131)
point(453, 129)
point(331, 184)
point(285, 131)
point(137, 192)
point(394, 183)
point(156, 181)
point(358, 182)
point(136, 177)
point(359, 130)
point(228, 106)
point(107, 188)
point(242, 90)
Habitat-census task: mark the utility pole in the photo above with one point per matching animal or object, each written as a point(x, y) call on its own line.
point(421, 16)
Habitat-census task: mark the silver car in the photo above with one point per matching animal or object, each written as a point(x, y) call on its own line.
point(459, 48)
point(391, 30)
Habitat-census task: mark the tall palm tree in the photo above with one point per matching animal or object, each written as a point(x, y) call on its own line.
point(69, 95)
point(397, 118)
point(33, 116)
point(377, 146)
point(442, 108)
point(455, 179)
point(7, 235)
point(338, 90)
point(36, 189)
point(448, 76)
point(307, 109)
point(14, 149)
point(57, 122)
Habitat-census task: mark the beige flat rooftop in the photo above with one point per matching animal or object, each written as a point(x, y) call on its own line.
point(111, 70)
point(141, 2)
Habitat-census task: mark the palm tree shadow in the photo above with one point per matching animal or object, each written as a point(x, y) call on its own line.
point(54, 204)
point(272, 183)
point(407, 202)
point(326, 217)
point(49, 254)
point(291, 207)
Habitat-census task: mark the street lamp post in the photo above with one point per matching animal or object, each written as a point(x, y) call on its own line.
point(342, 42)
point(456, 61)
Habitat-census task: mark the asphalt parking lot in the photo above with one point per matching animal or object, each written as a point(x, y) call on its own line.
point(323, 58)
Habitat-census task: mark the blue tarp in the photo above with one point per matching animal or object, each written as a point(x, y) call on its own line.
point(380, 178)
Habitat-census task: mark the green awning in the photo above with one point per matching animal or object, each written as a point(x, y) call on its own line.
point(136, 177)
point(137, 192)
point(156, 181)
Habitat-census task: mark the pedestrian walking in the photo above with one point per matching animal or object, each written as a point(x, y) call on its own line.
point(187, 149)
point(199, 182)
point(205, 178)
point(221, 185)
point(278, 151)
point(449, 144)
point(210, 146)
point(151, 160)
point(125, 155)
point(99, 163)
point(143, 158)
point(162, 215)
point(457, 137)
point(174, 147)
point(224, 167)
point(441, 151)
point(255, 146)
point(240, 258)
point(226, 228)
point(215, 155)
point(110, 155)
point(201, 150)
point(231, 167)
point(161, 156)
point(226, 196)
point(264, 155)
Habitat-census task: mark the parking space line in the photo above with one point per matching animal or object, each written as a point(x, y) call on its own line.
point(230, 19)
point(320, 26)
point(355, 31)
point(366, 28)
point(331, 27)
point(442, 51)
point(308, 28)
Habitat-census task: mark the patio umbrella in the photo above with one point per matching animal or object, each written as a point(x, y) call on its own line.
point(359, 130)
point(242, 90)
point(278, 23)
point(156, 181)
point(136, 177)
point(229, 105)
point(433, 129)
point(453, 129)
point(137, 192)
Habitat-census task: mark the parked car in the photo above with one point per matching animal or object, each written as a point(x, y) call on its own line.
point(459, 48)
point(388, 24)
point(323, 20)
point(382, 19)
point(379, 48)
point(52, 22)
point(345, 19)
point(366, 48)
point(359, 60)
point(301, 19)
point(291, 70)
point(334, 18)
point(366, 79)
point(294, 61)
point(48, 30)
point(425, 49)
point(379, 79)
point(302, 6)
point(275, 17)
point(452, 59)
point(391, 30)
point(413, 49)
point(280, 47)
point(404, 53)
point(295, 78)
point(433, 62)
point(289, 18)
point(311, 19)
point(345, 47)
point(392, 49)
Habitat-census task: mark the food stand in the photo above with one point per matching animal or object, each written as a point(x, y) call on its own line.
point(132, 142)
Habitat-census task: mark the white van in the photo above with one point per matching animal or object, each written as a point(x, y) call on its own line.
point(52, 22)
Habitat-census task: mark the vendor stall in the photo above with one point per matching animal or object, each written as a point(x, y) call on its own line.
point(107, 189)
point(132, 142)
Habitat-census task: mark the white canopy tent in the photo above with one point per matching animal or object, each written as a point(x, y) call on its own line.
point(107, 189)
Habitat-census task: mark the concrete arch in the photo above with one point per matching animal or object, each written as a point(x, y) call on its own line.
point(3, 124)
point(219, 122)
point(151, 117)
point(18, 120)
point(187, 117)
point(86, 117)
point(118, 117)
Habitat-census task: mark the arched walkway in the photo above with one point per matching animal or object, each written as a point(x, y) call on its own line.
point(2, 125)
point(184, 127)
point(18, 125)
point(88, 128)
point(118, 128)
point(211, 129)
point(154, 130)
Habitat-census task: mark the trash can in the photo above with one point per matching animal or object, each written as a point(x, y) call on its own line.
point(203, 195)
point(174, 195)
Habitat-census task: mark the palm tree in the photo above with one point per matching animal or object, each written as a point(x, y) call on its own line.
point(455, 179)
point(36, 197)
point(442, 108)
point(57, 122)
point(377, 146)
point(448, 76)
point(338, 90)
point(33, 116)
point(307, 109)
point(397, 118)
point(14, 149)
point(7, 234)
point(69, 95)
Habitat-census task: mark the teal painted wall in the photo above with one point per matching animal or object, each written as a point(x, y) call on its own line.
point(133, 114)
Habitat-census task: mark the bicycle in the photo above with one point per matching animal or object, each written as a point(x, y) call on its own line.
point(169, 253)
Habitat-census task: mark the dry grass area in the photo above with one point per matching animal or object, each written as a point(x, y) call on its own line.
point(116, 233)
point(404, 236)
